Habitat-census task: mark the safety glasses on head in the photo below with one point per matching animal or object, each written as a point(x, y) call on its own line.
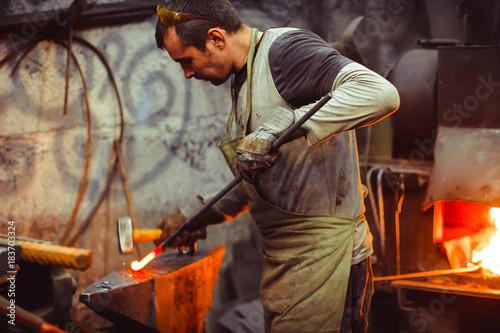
point(169, 18)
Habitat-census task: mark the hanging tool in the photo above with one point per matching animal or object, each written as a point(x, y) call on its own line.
point(136, 265)
point(128, 191)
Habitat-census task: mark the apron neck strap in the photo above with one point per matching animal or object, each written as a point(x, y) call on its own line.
point(248, 110)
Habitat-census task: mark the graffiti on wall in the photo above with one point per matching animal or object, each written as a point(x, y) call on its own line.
point(40, 144)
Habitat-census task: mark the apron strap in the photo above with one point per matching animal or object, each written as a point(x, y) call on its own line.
point(251, 54)
point(248, 110)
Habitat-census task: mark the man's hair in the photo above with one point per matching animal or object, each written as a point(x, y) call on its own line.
point(194, 32)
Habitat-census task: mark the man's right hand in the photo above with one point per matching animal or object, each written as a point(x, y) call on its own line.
point(171, 223)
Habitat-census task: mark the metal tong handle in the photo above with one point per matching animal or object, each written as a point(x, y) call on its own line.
point(280, 141)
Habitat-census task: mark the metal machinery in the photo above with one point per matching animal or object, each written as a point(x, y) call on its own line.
point(431, 200)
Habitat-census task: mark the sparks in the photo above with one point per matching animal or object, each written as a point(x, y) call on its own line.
point(489, 255)
point(138, 265)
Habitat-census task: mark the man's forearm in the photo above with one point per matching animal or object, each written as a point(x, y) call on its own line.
point(361, 97)
point(229, 207)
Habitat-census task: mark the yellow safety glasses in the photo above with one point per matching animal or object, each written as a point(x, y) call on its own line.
point(169, 18)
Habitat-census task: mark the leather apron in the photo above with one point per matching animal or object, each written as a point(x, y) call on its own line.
point(308, 257)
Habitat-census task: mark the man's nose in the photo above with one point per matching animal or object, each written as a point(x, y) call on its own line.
point(188, 72)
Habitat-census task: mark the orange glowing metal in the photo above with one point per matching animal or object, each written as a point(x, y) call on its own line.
point(138, 265)
point(489, 255)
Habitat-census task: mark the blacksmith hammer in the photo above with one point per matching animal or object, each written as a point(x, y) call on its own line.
point(127, 236)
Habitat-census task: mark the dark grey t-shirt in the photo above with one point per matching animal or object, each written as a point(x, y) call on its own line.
point(303, 66)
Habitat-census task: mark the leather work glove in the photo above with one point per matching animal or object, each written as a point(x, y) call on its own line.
point(187, 239)
point(197, 230)
point(254, 151)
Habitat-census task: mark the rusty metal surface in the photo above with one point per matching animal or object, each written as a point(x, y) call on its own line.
point(171, 294)
point(466, 166)
point(457, 289)
point(471, 281)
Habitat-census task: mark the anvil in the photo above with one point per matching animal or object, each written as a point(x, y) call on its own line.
point(173, 293)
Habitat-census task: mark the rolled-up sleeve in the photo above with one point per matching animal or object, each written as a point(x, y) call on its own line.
point(305, 68)
point(361, 97)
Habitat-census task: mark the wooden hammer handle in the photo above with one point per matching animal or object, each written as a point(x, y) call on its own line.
point(146, 235)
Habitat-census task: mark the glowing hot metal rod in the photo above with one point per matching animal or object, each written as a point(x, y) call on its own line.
point(137, 265)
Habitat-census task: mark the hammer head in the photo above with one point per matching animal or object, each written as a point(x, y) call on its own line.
point(125, 235)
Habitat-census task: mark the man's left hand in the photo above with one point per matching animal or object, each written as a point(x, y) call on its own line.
point(254, 151)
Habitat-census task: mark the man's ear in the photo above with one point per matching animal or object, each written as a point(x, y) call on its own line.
point(217, 37)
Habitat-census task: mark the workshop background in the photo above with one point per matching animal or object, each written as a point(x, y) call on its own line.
point(62, 129)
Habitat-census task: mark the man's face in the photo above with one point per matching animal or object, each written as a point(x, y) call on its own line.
point(207, 66)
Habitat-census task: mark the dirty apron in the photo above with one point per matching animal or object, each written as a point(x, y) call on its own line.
point(308, 257)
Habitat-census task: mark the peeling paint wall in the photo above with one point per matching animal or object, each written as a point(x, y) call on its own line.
point(172, 125)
